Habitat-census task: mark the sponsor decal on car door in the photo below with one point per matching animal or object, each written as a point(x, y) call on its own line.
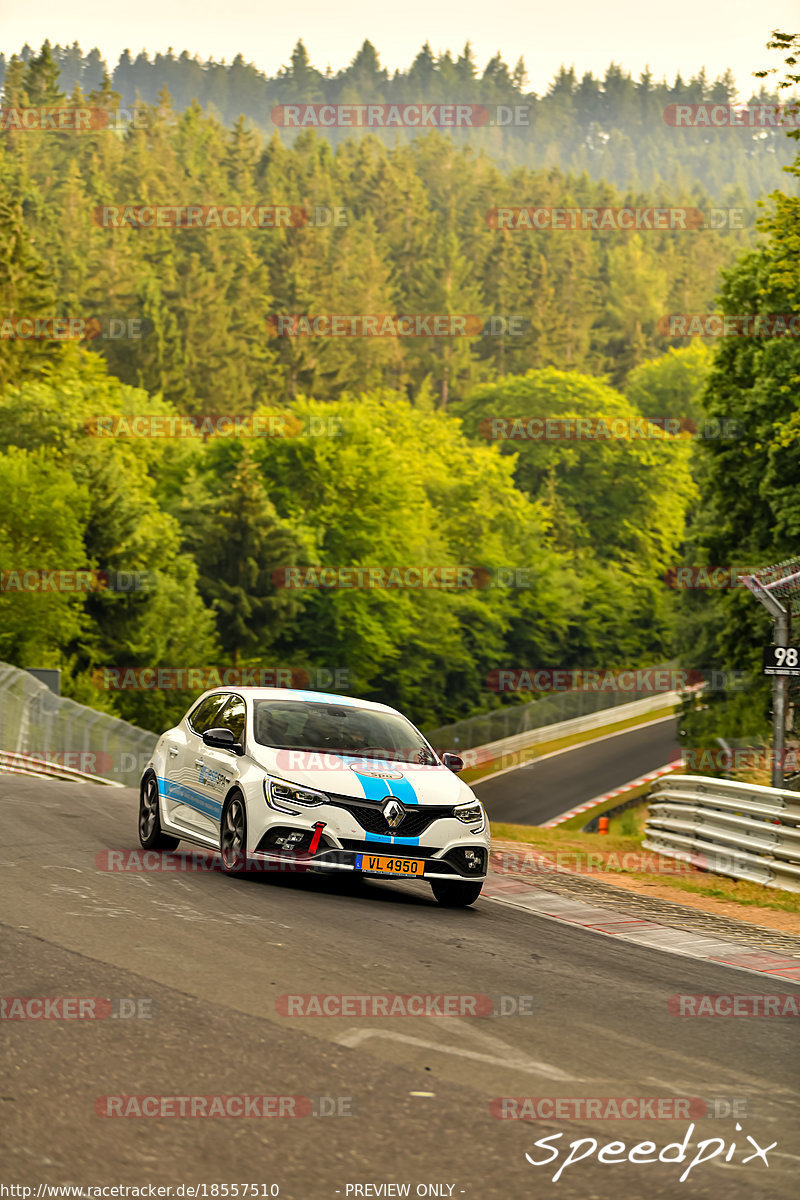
point(218, 769)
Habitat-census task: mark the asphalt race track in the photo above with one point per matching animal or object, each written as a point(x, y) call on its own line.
point(206, 958)
point(544, 789)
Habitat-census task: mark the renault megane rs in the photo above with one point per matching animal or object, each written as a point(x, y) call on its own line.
point(275, 779)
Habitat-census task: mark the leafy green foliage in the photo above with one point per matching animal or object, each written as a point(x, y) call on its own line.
point(749, 513)
point(385, 463)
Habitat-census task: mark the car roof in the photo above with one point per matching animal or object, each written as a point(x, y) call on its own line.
point(311, 697)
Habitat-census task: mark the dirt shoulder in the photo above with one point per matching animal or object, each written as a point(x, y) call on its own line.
point(534, 854)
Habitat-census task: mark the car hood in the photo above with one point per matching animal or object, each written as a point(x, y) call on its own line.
point(359, 778)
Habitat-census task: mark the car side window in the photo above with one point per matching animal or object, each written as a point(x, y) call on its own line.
point(232, 717)
point(205, 715)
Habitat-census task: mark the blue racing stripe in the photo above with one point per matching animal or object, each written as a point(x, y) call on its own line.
point(387, 839)
point(191, 798)
point(403, 789)
point(373, 789)
point(379, 789)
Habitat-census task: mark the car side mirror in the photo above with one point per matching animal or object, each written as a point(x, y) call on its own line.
point(453, 762)
point(222, 739)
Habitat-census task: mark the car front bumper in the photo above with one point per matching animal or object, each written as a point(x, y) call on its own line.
point(328, 859)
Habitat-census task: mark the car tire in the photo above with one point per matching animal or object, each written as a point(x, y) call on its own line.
point(151, 835)
point(456, 894)
point(233, 836)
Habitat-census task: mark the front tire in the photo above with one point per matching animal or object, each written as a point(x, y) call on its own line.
point(150, 834)
point(233, 836)
point(455, 895)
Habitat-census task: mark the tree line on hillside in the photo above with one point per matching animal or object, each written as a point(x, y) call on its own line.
point(614, 129)
point(380, 455)
point(410, 230)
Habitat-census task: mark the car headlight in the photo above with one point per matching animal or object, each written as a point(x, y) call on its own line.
point(287, 797)
point(471, 814)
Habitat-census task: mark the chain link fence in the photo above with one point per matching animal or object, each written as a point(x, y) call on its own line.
point(783, 581)
point(520, 718)
point(37, 723)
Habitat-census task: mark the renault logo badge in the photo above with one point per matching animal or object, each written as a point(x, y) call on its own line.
point(393, 812)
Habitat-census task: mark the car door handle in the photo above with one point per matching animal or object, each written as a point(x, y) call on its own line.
point(173, 753)
point(198, 762)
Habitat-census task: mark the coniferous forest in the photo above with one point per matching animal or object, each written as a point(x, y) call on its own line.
point(377, 451)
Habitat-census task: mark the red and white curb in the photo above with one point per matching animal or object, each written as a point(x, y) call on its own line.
point(669, 769)
point(506, 888)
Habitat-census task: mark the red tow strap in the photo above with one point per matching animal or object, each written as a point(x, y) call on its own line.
point(318, 828)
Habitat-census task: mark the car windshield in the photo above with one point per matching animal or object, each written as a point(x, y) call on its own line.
point(338, 729)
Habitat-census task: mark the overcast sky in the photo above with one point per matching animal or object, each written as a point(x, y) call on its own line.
point(678, 35)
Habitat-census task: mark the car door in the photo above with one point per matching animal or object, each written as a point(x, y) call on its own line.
point(218, 769)
point(184, 802)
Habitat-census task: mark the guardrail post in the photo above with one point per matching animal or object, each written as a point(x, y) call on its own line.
point(780, 683)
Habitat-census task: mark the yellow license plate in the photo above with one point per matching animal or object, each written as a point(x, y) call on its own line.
point(387, 865)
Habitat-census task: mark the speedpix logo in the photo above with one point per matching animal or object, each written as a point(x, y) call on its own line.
point(615, 1153)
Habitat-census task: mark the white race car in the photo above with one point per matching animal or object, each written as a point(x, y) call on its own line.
point(280, 779)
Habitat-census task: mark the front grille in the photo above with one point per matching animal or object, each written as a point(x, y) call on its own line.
point(369, 816)
point(389, 848)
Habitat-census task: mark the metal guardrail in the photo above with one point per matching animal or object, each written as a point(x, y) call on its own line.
point(39, 768)
point(65, 738)
point(506, 750)
point(512, 720)
point(737, 829)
